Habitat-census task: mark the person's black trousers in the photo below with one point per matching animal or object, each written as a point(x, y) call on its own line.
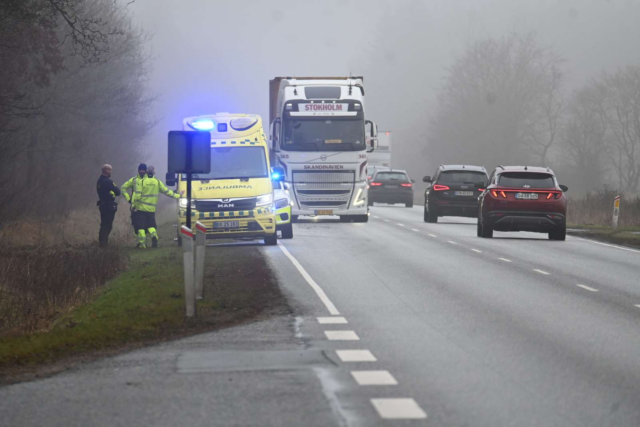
point(106, 224)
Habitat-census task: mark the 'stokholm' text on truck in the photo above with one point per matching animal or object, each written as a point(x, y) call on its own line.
point(320, 136)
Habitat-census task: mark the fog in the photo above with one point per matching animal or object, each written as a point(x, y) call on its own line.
point(212, 56)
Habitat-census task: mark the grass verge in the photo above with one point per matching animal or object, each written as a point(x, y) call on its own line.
point(625, 236)
point(144, 305)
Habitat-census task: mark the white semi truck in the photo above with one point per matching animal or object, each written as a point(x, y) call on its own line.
point(320, 136)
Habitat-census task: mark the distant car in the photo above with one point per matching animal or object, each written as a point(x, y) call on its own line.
point(452, 191)
point(391, 186)
point(371, 170)
point(283, 210)
point(523, 198)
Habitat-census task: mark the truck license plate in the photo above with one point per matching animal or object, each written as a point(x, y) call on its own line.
point(226, 224)
point(324, 212)
point(527, 196)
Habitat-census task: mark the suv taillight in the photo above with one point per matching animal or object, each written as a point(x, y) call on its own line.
point(439, 187)
point(375, 184)
point(408, 184)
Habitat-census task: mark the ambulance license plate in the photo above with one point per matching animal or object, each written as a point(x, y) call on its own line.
point(324, 212)
point(226, 224)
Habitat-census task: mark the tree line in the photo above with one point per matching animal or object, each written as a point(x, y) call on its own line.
point(72, 97)
point(505, 101)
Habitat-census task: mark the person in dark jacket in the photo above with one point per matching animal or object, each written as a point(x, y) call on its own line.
point(107, 192)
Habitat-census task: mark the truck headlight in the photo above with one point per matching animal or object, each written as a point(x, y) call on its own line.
point(264, 200)
point(359, 201)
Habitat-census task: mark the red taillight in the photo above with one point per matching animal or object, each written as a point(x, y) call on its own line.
point(495, 193)
point(369, 178)
point(481, 190)
point(502, 193)
point(439, 187)
point(558, 195)
point(549, 196)
point(407, 184)
point(375, 184)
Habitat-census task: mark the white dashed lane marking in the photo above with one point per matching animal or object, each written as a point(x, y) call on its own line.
point(475, 250)
point(386, 220)
point(540, 271)
point(401, 225)
point(504, 259)
point(453, 243)
point(413, 229)
point(432, 235)
point(638, 305)
point(331, 320)
point(341, 335)
point(587, 288)
point(375, 216)
point(356, 356)
point(374, 378)
point(398, 409)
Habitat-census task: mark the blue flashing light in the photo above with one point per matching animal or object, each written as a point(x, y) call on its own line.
point(275, 176)
point(203, 124)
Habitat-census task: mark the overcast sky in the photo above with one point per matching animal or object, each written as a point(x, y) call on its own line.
point(213, 56)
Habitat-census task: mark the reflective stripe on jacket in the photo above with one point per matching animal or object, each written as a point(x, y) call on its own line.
point(136, 192)
point(150, 189)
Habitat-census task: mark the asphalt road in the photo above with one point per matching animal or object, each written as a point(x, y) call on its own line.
point(511, 331)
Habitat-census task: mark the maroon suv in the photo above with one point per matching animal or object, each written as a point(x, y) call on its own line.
point(523, 198)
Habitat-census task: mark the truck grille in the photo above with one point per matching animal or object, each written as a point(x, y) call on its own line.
point(334, 193)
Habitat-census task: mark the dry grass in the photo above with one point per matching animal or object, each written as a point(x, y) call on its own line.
point(596, 209)
point(49, 266)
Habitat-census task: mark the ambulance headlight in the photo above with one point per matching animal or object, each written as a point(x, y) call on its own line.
point(183, 203)
point(264, 200)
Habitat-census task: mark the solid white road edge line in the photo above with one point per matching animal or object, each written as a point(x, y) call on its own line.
point(587, 288)
point(331, 320)
point(606, 244)
point(323, 297)
point(540, 271)
point(356, 356)
point(398, 409)
point(504, 259)
point(373, 378)
point(342, 336)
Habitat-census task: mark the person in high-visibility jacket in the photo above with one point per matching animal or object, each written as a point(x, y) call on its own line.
point(135, 185)
point(145, 207)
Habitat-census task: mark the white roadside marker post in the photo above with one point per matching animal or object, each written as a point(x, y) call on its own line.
point(616, 212)
point(201, 237)
point(189, 282)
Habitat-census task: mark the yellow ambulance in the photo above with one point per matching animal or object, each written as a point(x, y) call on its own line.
point(236, 198)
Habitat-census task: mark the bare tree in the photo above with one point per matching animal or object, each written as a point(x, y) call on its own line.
point(501, 103)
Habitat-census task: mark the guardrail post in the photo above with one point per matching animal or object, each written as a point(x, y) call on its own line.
point(201, 237)
point(189, 282)
point(616, 212)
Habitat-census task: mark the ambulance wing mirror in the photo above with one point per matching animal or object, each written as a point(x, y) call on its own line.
point(170, 179)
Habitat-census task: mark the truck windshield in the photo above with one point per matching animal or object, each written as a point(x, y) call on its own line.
point(236, 162)
point(323, 134)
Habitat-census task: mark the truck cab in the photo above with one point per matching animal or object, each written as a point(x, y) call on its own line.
point(236, 198)
point(319, 137)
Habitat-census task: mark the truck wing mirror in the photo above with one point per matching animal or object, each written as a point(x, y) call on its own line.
point(170, 179)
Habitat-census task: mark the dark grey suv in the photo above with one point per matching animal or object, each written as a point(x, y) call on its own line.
point(452, 191)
